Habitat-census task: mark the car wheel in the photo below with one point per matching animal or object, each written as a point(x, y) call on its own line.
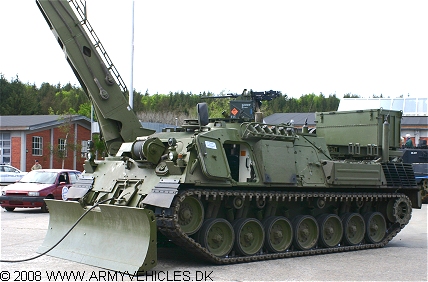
point(10, 209)
point(45, 208)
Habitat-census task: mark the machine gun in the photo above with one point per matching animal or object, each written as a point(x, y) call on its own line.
point(248, 105)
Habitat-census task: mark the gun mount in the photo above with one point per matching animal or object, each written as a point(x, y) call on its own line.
point(247, 106)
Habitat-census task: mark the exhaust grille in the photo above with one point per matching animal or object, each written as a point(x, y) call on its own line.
point(399, 175)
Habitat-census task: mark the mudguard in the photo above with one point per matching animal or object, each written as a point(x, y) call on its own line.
point(119, 238)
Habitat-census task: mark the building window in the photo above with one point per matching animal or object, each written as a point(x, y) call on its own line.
point(5, 147)
point(37, 149)
point(62, 147)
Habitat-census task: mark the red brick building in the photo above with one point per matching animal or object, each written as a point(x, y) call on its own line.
point(55, 141)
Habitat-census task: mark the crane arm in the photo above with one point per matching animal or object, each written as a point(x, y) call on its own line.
point(118, 122)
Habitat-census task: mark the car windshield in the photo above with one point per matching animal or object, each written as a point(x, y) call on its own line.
point(37, 176)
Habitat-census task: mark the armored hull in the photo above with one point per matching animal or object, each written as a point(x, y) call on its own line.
point(232, 192)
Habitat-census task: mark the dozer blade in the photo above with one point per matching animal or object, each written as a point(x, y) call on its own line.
point(118, 238)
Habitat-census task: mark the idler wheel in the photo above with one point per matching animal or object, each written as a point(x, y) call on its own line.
point(217, 235)
point(249, 236)
point(375, 227)
point(305, 232)
point(190, 215)
point(399, 210)
point(353, 228)
point(331, 230)
point(279, 233)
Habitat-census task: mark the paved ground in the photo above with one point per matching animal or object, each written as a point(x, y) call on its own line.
point(403, 259)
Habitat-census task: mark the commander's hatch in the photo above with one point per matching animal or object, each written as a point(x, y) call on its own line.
point(212, 157)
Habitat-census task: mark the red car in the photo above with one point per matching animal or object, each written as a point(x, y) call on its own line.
point(37, 185)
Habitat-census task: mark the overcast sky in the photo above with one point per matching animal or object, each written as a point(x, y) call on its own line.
point(297, 47)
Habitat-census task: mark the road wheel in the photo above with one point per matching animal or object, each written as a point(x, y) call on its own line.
point(353, 228)
point(9, 209)
point(249, 236)
point(279, 233)
point(190, 215)
point(331, 230)
point(305, 232)
point(375, 227)
point(217, 236)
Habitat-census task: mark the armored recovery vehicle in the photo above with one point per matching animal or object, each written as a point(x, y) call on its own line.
point(227, 190)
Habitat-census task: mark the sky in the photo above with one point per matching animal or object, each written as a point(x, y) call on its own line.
point(362, 47)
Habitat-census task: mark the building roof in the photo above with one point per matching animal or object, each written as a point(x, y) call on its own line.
point(35, 122)
point(409, 106)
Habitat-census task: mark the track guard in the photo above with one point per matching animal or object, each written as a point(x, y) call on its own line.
point(118, 238)
point(162, 194)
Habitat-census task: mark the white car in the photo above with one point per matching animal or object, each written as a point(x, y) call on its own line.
point(10, 174)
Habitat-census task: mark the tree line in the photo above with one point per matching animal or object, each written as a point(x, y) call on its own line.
point(19, 98)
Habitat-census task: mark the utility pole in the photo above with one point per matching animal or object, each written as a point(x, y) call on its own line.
point(131, 85)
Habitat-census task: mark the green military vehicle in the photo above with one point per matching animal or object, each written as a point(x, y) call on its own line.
point(227, 190)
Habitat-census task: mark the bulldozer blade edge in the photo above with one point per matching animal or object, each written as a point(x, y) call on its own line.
point(112, 237)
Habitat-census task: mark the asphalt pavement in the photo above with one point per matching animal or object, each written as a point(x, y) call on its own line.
point(403, 259)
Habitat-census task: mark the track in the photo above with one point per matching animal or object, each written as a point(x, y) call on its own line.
point(169, 222)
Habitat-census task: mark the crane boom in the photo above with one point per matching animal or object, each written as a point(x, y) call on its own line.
point(118, 122)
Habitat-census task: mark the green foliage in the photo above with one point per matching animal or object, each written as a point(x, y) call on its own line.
point(305, 104)
point(217, 106)
point(350, 95)
point(99, 145)
point(18, 98)
point(85, 109)
point(23, 99)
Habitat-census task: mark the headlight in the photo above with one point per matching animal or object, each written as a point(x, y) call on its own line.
point(33, 194)
point(171, 156)
point(3, 193)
